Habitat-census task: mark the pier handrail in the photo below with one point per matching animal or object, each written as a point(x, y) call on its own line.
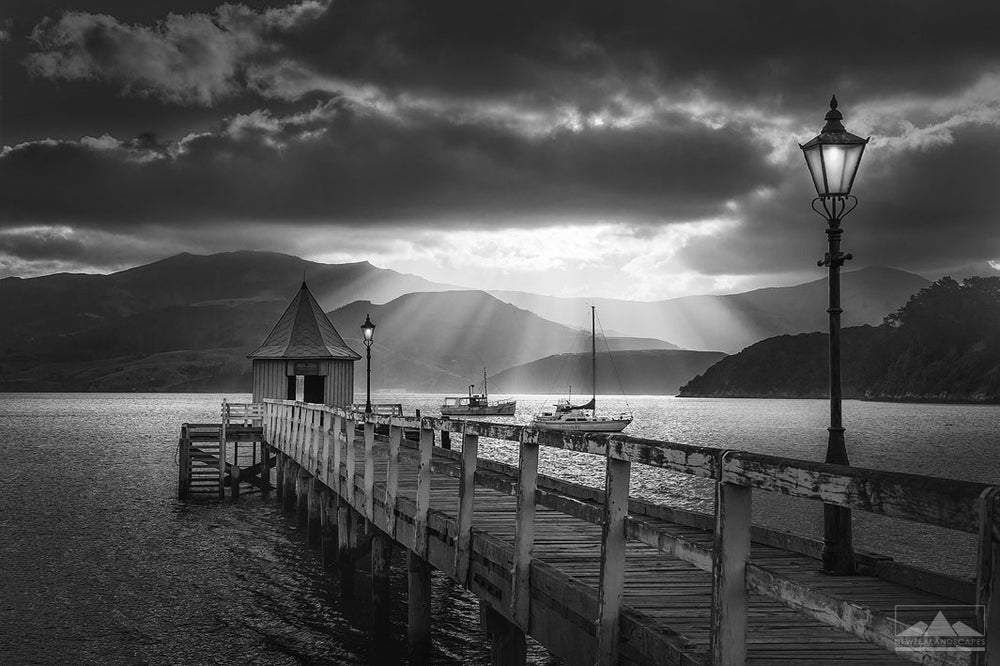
point(964, 506)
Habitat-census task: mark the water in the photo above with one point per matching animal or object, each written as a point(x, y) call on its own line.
point(102, 565)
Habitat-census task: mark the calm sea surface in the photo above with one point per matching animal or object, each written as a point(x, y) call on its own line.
point(102, 565)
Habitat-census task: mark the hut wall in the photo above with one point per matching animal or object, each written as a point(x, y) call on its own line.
point(270, 378)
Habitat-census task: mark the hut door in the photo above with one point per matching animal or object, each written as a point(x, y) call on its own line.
point(314, 389)
point(296, 388)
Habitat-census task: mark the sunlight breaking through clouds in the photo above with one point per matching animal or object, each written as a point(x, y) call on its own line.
point(642, 262)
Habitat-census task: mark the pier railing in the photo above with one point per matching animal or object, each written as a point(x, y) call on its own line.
point(315, 436)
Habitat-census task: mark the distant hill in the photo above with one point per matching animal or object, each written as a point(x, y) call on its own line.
point(647, 372)
point(943, 345)
point(441, 341)
point(187, 323)
point(731, 322)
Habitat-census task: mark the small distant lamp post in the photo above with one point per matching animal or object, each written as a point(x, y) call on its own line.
point(368, 329)
point(833, 158)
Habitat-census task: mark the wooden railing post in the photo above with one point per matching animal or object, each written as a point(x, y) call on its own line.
point(524, 529)
point(338, 455)
point(350, 459)
point(988, 577)
point(617, 477)
point(423, 489)
point(466, 498)
point(369, 481)
point(286, 428)
point(731, 547)
point(327, 449)
point(184, 463)
point(222, 462)
point(392, 479)
point(313, 454)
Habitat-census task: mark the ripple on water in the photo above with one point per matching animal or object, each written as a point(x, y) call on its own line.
point(103, 566)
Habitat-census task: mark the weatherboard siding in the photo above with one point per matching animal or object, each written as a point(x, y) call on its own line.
point(270, 379)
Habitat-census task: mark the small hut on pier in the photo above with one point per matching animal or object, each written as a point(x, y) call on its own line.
point(304, 358)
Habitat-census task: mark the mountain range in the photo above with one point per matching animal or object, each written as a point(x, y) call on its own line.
point(187, 323)
point(641, 371)
point(443, 340)
point(730, 322)
point(943, 345)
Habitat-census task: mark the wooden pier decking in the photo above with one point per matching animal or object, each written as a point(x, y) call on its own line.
point(600, 579)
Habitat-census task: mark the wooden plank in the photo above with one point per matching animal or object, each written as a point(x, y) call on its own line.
point(466, 502)
point(612, 578)
point(729, 589)
point(423, 492)
point(683, 458)
point(988, 576)
point(933, 501)
point(524, 534)
point(369, 481)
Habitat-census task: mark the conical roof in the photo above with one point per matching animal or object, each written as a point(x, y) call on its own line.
point(304, 331)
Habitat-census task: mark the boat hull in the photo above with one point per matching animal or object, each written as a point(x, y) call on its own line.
point(499, 409)
point(599, 425)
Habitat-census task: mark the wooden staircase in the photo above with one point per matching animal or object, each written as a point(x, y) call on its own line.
point(210, 455)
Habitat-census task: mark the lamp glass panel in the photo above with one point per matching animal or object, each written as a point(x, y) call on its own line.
point(815, 168)
point(852, 158)
point(835, 159)
point(369, 332)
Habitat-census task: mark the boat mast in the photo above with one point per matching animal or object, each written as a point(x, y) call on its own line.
point(485, 394)
point(593, 362)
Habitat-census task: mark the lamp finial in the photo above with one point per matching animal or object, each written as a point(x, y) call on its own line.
point(833, 118)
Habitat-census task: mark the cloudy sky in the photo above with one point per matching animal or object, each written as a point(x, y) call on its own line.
point(627, 149)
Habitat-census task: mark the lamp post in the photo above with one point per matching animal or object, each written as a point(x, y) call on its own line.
point(833, 158)
point(368, 329)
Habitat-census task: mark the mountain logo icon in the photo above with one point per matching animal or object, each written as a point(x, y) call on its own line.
point(940, 634)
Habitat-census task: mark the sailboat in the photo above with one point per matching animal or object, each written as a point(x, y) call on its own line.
point(477, 404)
point(568, 417)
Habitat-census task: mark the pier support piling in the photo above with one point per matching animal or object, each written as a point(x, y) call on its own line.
point(328, 528)
point(313, 518)
point(279, 474)
point(381, 632)
point(345, 554)
point(302, 498)
point(265, 469)
point(508, 647)
point(418, 609)
point(288, 494)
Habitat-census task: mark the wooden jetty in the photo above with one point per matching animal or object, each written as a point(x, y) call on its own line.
point(597, 577)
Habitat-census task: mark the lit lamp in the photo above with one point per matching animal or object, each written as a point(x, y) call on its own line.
point(833, 158)
point(368, 329)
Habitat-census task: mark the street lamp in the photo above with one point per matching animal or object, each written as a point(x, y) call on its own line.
point(368, 329)
point(833, 158)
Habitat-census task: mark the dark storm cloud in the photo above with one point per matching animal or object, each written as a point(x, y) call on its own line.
point(340, 163)
point(924, 208)
point(783, 53)
point(438, 114)
point(191, 59)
